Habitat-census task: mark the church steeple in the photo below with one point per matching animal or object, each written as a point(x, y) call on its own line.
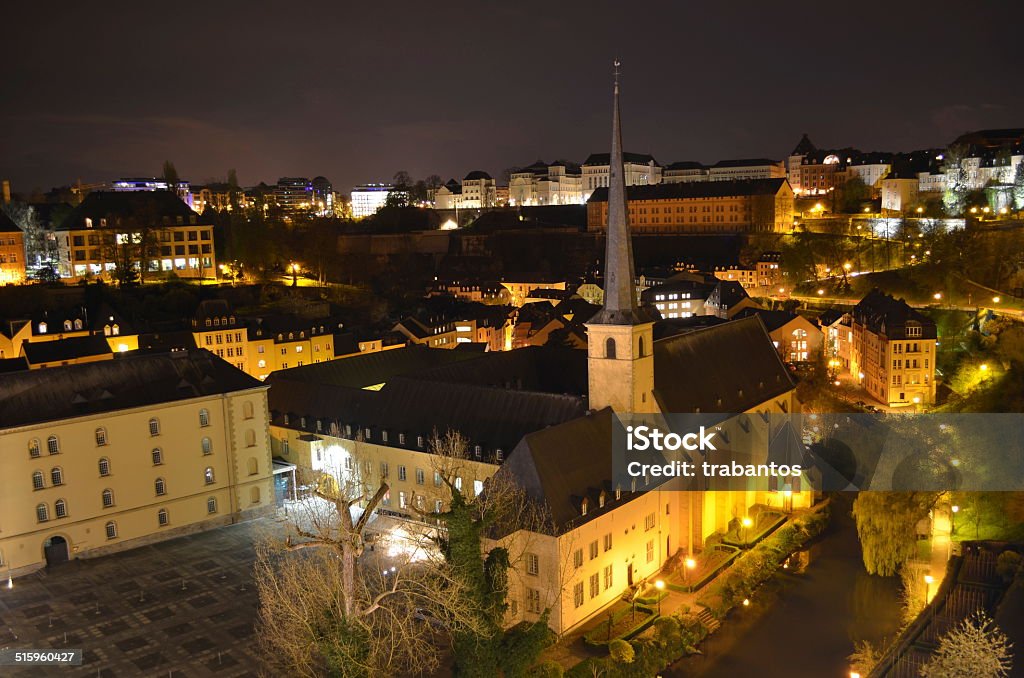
point(620, 356)
point(620, 303)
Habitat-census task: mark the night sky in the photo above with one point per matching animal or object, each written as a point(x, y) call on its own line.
point(356, 91)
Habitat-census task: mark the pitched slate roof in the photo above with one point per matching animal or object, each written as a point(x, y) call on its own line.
point(7, 225)
point(39, 352)
point(772, 320)
point(746, 162)
point(494, 418)
point(883, 314)
point(546, 369)
point(605, 158)
point(375, 368)
point(685, 165)
point(143, 205)
point(476, 175)
point(560, 466)
point(804, 146)
point(695, 189)
point(127, 381)
point(728, 368)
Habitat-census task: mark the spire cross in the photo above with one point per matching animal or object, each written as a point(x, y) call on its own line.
point(617, 64)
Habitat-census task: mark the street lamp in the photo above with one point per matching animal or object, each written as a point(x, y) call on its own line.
point(295, 274)
point(747, 522)
point(660, 585)
point(928, 581)
point(937, 296)
point(691, 564)
point(995, 300)
point(952, 519)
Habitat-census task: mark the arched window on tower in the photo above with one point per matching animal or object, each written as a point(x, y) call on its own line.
point(609, 348)
point(640, 348)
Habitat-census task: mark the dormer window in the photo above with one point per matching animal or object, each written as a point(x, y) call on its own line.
point(584, 505)
point(67, 325)
point(78, 323)
point(208, 322)
point(42, 328)
point(601, 499)
point(618, 492)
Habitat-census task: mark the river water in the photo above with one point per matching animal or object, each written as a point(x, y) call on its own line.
point(804, 625)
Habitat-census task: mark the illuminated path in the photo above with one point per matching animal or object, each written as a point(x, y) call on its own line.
point(805, 625)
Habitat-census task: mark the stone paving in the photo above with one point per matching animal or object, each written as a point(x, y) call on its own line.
point(181, 608)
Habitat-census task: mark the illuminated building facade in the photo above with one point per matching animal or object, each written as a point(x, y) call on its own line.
point(755, 206)
point(153, 231)
point(294, 194)
point(368, 198)
point(112, 455)
point(892, 352)
point(12, 252)
point(641, 170)
point(541, 184)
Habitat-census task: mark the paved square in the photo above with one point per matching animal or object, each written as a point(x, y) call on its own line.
point(185, 607)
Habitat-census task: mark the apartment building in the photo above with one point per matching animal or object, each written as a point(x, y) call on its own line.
point(755, 206)
point(892, 352)
point(12, 252)
point(112, 455)
point(152, 231)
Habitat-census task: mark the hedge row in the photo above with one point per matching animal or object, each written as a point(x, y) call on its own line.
point(599, 636)
point(762, 561)
point(673, 638)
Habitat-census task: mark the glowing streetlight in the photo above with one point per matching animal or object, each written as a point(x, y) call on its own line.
point(928, 581)
point(996, 300)
point(691, 564)
point(955, 508)
point(984, 367)
point(974, 210)
point(937, 296)
point(919, 210)
point(747, 522)
point(660, 585)
point(821, 291)
point(854, 674)
point(746, 602)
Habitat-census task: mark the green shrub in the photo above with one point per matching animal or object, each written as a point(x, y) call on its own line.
point(666, 629)
point(547, 669)
point(621, 651)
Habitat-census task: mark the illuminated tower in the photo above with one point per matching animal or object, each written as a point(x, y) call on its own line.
point(620, 337)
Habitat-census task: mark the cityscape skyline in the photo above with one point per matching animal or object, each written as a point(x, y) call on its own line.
point(341, 117)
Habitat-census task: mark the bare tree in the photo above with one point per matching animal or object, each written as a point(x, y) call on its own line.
point(326, 606)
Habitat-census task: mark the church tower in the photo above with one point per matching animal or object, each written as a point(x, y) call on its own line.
point(620, 338)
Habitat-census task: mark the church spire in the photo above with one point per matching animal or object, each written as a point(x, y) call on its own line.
point(620, 305)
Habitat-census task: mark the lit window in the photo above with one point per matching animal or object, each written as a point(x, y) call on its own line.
point(208, 475)
point(33, 447)
point(204, 417)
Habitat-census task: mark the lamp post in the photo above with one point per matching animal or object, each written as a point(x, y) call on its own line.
point(928, 580)
point(691, 565)
point(952, 520)
point(747, 522)
point(295, 274)
point(660, 585)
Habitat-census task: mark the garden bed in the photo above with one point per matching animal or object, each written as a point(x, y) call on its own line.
point(624, 624)
point(709, 565)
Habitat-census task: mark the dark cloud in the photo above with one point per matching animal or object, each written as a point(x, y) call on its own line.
point(356, 91)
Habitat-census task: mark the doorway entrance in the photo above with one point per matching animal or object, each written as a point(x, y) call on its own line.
point(56, 550)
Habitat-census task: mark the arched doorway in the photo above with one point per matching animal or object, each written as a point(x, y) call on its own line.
point(56, 550)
